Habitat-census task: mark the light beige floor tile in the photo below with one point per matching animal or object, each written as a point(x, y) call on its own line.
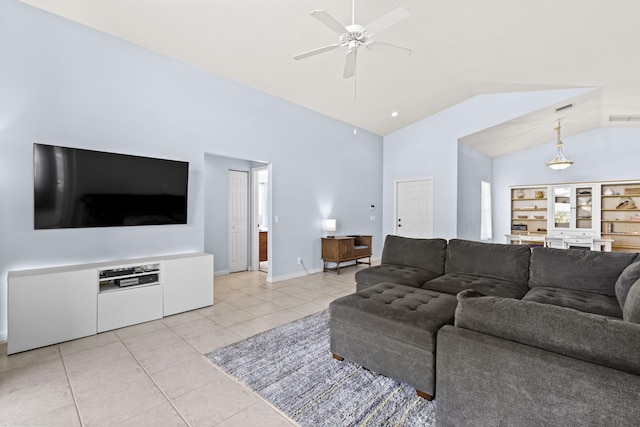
point(218, 307)
point(206, 343)
point(140, 329)
point(230, 318)
point(268, 294)
point(288, 301)
point(34, 401)
point(251, 327)
point(151, 341)
point(263, 308)
point(178, 319)
point(119, 403)
point(282, 317)
point(214, 402)
point(191, 375)
point(20, 360)
point(95, 356)
point(66, 416)
point(160, 416)
point(245, 301)
point(70, 347)
point(167, 357)
point(201, 326)
point(107, 374)
point(308, 308)
point(226, 295)
point(257, 415)
point(31, 375)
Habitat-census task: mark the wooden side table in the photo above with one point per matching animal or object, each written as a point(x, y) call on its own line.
point(341, 249)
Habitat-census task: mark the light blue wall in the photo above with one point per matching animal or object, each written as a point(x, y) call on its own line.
point(598, 155)
point(473, 168)
point(65, 84)
point(429, 148)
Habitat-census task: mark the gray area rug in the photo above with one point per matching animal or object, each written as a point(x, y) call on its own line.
point(291, 367)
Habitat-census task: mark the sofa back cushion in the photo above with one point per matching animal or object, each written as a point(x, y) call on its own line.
point(631, 309)
point(428, 254)
point(492, 260)
point(628, 277)
point(588, 271)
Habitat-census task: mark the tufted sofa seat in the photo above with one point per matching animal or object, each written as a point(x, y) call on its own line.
point(391, 329)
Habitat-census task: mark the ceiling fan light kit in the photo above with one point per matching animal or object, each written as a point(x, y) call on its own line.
point(354, 36)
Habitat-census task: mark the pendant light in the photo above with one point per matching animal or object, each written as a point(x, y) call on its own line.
point(559, 161)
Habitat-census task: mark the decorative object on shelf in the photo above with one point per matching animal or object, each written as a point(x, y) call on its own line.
point(330, 226)
point(520, 194)
point(523, 216)
point(632, 191)
point(626, 203)
point(539, 194)
point(608, 192)
point(538, 216)
point(559, 161)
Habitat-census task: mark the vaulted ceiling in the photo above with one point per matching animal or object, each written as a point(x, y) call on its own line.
point(460, 49)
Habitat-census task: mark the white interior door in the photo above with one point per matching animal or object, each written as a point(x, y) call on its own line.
point(414, 208)
point(238, 220)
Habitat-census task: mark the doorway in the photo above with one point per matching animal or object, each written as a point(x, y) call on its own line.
point(414, 208)
point(260, 217)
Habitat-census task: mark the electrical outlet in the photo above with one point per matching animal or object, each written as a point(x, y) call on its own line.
point(299, 260)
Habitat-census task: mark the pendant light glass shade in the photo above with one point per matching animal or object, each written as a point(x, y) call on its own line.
point(559, 161)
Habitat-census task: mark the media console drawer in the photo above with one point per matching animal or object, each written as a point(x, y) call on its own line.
point(129, 306)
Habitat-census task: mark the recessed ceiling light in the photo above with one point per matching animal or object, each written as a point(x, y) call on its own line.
point(394, 114)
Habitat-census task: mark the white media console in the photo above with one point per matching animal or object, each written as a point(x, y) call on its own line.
point(51, 305)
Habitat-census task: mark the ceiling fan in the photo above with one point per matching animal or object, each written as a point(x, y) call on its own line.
point(354, 36)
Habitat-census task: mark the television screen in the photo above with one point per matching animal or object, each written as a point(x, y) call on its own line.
point(83, 188)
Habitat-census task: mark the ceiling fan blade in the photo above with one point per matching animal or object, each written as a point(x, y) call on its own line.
point(329, 21)
point(316, 51)
point(394, 16)
point(350, 64)
point(388, 48)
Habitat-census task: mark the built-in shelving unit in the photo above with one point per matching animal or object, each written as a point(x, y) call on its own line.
point(529, 206)
point(620, 220)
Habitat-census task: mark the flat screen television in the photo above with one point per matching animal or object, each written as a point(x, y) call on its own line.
point(76, 188)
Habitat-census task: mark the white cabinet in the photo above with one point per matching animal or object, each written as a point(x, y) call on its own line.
point(52, 305)
point(575, 210)
point(183, 284)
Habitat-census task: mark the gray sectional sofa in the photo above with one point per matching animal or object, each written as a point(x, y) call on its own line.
point(506, 335)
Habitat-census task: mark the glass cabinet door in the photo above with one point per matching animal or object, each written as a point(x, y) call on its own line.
point(562, 207)
point(584, 205)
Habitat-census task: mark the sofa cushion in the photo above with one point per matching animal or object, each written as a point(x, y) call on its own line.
point(404, 275)
point(585, 336)
point(628, 277)
point(452, 283)
point(588, 271)
point(587, 302)
point(428, 254)
point(491, 260)
point(631, 312)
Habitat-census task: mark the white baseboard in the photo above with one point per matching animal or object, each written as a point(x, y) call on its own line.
point(220, 273)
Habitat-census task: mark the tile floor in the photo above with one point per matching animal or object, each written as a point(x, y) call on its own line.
point(154, 373)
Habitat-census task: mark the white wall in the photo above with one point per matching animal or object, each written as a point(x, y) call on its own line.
point(473, 168)
point(429, 148)
point(598, 155)
point(65, 84)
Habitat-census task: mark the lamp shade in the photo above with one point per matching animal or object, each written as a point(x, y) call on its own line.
point(330, 225)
